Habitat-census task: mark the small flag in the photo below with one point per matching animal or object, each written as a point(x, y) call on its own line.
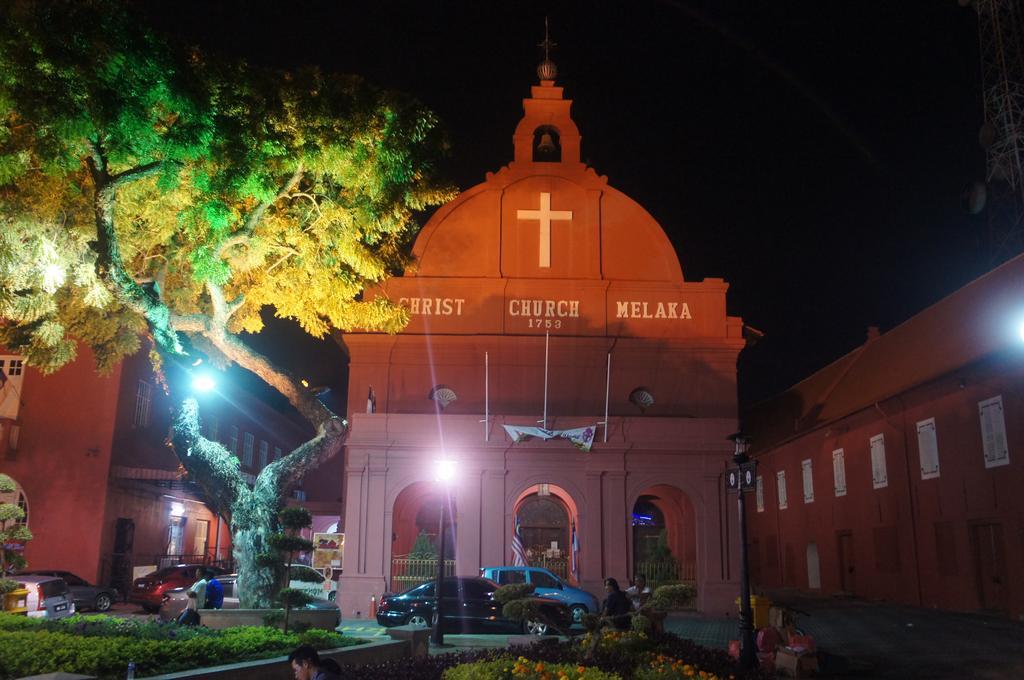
point(575, 548)
point(518, 554)
point(371, 401)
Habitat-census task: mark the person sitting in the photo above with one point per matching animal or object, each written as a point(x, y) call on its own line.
point(306, 665)
point(616, 606)
point(214, 591)
point(639, 592)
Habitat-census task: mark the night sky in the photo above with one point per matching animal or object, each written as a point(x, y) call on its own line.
point(810, 152)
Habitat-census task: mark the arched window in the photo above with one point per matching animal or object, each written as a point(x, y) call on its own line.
point(547, 147)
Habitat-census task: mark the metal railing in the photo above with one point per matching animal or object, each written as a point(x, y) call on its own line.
point(409, 572)
point(559, 566)
point(667, 571)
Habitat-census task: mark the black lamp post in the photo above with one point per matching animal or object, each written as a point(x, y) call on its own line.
point(445, 472)
point(740, 480)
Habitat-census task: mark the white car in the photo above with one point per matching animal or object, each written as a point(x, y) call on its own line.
point(48, 596)
point(302, 577)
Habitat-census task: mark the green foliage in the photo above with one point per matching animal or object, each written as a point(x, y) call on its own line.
point(423, 548)
point(513, 591)
point(211, 148)
point(295, 518)
point(7, 585)
point(641, 624)
point(678, 596)
point(290, 544)
point(273, 618)
point(521, 668)
point(103, 646)
point(12, 533)
point(291, 598)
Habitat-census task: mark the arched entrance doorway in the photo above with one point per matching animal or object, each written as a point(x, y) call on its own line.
point(547, 519)
point(416, 525)
point(664, 535)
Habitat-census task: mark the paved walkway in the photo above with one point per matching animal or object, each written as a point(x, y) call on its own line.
point(876, 640)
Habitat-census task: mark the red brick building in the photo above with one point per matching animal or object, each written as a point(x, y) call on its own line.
point(896, 472)
point(102, 489)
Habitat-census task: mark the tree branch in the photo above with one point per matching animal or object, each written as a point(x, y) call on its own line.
point(128, 176)
point(209, 464)
point(254, 217)
point(280, 477)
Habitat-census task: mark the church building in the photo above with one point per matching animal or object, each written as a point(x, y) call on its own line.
point(581, 387)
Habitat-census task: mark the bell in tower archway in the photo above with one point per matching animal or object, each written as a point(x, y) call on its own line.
point(546, 147)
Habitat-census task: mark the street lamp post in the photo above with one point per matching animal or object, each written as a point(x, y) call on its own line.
point(740, 480)
point(445, 472)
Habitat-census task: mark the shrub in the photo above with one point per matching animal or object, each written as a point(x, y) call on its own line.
point(103, 646)
point(666, 668)
point(678, 596)
point(7, 585)
point(526, 669)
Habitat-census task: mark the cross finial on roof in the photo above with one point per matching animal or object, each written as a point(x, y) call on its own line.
point(547, 70)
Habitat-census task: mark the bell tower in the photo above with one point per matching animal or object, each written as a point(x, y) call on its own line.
point(547, 134)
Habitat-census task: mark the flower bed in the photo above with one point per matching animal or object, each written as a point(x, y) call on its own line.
point(626, 655)
point(103, 645)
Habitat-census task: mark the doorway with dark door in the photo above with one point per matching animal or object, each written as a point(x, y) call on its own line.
point(846, 562)
point(990, 566)
point(121, 560)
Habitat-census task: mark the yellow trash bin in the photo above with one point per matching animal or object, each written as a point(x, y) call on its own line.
point(16, 601)
point(759, 607)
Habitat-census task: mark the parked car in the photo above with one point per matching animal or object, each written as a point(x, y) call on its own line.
point(546, 584)
point(48, 596)
point(303, 577)
point(149, 590)
point(86, 595)
point(468, 605)
point(174, 600)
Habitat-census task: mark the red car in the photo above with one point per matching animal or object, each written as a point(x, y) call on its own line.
point(149, 590)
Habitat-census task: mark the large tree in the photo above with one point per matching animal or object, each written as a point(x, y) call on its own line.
point(147, 189)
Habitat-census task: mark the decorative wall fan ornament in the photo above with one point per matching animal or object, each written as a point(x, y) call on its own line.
point(443, 395)
point(642, 398)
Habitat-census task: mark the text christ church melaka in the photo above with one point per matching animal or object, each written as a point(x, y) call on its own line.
point(545, 298)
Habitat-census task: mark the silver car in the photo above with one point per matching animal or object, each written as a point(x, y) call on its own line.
point(48, 596)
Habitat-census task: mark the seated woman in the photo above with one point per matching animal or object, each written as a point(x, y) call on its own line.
point(616, 606)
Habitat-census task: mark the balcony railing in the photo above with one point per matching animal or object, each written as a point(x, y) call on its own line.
point(407, 572)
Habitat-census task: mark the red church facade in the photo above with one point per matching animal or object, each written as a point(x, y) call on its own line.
point(544, 298)
point(895, 473)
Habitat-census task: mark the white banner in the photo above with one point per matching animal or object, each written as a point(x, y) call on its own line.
point(581, 437)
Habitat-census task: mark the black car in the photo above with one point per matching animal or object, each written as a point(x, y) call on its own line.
point(86, 595)
point(468, 605)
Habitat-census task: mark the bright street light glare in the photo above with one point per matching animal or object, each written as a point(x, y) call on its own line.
point(445, 470)
point(1020, 331)
point(203, 383)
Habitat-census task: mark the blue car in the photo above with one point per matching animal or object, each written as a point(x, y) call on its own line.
point(547, 585)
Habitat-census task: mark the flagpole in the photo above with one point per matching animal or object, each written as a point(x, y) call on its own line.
point(607, 391)
point(547, 341)
point(487, 397)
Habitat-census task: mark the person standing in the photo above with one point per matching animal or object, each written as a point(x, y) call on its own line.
point(214, 590)
point(197, 593)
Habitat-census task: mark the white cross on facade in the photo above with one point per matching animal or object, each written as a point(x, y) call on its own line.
point(545, 215)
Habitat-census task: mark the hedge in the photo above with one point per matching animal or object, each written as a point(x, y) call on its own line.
point(103, 646)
